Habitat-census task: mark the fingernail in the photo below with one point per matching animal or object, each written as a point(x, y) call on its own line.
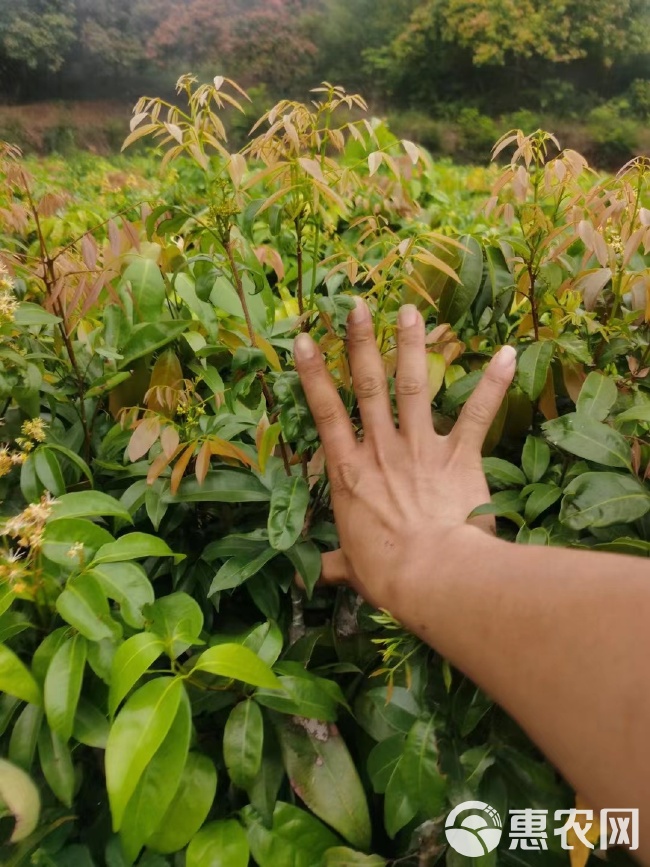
point(303, 346)
point(407, 316)
point(360, 313)
point(506, 358)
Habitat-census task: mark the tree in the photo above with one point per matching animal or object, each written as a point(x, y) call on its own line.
point(257, 41)
point(353, 36)
point(36, 35)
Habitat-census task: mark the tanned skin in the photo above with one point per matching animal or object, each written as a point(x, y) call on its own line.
point(559, 638)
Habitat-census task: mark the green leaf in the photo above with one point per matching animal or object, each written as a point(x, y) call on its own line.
point(306, 559)
point(237, 570)
point(221, 486)
point(500, 510)
point(130, 662)
point(24, 736)
point(460, 390)
point(138, 731)
point(157, 786)
point(90, 725)
point(535, 458)
point(265, 641)
point(189, 807)
point(56, 764)
point(382, 761)
point(602, 499)
point(134, 546)
point(30, 485)
point(60, 536)
point(382, 713)
point(503, 474)
point(8, 706)
point(340, 856)
point(398, 809)
point(263, 792)
point(219, 844)
point(243, 742)
point(425, 786)
point(28, 314)
point(536, 536)
point(295, 839)
point(178, 620)
point(457, 298)
point(46, 650)
point(238, 663)
point(74, 459)
point(641, 413)
point(533, 367)
point(149, 336)
point(48, 471)
point(88, 504)
point(154, 504)
point(128, 584)
point(147, 288)
point(540, 498)
point(323, 775)
point(6, 598)
point(63, 685)
point(304, 694)
point(21, 798)
point(597, 396)
point(289, 501)
point(589, 439)
point(84, 606)
point(15, 679)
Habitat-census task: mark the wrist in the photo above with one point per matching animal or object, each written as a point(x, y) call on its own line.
point(431, 587)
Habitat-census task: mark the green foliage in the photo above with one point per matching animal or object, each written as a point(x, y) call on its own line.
point(167, 688)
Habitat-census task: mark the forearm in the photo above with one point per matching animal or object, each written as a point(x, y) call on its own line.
point(559, 638)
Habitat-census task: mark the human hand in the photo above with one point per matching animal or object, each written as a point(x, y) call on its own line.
point(401, 497)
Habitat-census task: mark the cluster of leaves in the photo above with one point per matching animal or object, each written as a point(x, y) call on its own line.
point(166, 688)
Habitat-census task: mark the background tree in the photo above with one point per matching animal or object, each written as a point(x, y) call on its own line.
point(35, 37)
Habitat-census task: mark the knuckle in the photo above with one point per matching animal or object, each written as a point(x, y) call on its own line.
point(408, 386)
point(410, 337)
point(361, 337)
point(345, 478)
point(369, 385)
point(328, 415)
point(477, 414)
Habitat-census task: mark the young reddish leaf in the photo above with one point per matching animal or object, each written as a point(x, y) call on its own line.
point(169, 440)
point(203, 462)
point(229, 450)
point(144, 436)
point(181, 465)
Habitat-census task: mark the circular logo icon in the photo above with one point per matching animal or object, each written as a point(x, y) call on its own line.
point(473, 828)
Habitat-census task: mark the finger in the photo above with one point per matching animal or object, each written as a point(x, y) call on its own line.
point(332, 421)
point(411, 382)
point(368, 374)
point(480, 410)
point(335, 569)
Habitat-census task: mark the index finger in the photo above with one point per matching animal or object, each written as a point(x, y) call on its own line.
point(326, 406)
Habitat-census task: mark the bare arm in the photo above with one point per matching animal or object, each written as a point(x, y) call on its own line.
point(560, 638)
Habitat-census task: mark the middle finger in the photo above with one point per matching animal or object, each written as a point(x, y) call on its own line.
point(368, 374)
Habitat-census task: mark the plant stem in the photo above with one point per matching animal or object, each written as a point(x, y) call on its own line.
point(266, 391)
point(239, 288)
point(49, 278)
